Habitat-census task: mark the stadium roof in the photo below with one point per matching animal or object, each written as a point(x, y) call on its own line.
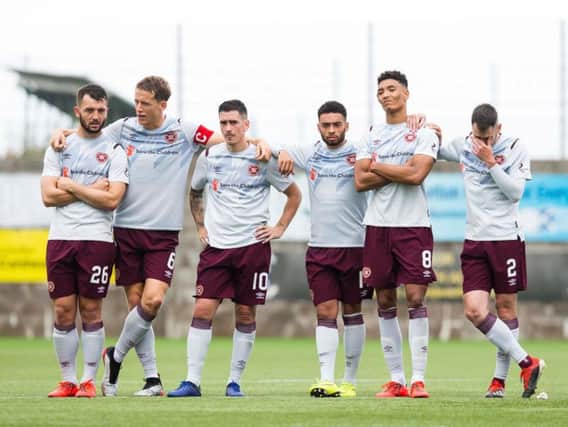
point(60, 91)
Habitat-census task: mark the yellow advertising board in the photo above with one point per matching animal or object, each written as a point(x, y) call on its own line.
point(22, 255)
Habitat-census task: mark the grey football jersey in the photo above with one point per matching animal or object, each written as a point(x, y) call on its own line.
point(85, 161)
point(337, 209)
point(490, 214)
point(398, 205)
point(238, 191)
point(158, 162)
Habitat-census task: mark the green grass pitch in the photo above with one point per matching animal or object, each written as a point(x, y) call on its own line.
point(276, 383)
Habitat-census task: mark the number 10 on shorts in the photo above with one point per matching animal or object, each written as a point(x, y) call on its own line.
point(260, 281)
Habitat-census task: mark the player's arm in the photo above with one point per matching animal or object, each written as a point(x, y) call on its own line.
point(54, 196)
point(197, 208)
point(365, 179)
point(263, 151)
point(512, 187)
point(412, 172)
point(58, 139)
point(266, 233)
point(100, 199)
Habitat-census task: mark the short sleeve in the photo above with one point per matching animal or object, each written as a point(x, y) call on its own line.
point(114, 131)
point(118, 171)
point(51, 163)
point(199, 179)
point(363, 148)
point(196, 134)
point(428, 143)
point(275, 178)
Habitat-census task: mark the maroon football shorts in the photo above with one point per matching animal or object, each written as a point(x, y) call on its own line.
point(144, 254)
point(398, 255)
point(241, 274)
point(499, 265)
point(79, 267)
point(335, 274)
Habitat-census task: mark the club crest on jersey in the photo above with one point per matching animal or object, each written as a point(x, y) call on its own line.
point(499, 158)
point(374, 157)
point(215, 185)
point(351, 159)
point(102, 157)
point(170, 137)
point(313, 174)
point(410, 136)
point(65, 172)
point(366, 272)
point(130, 150)
point(253, 170)
point(50, 287)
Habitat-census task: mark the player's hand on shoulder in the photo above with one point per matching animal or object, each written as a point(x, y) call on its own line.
point(285, 163)
point(263, 151)
point(266, 233)
point(437, 130)
point(415, 121)
point(58, 140)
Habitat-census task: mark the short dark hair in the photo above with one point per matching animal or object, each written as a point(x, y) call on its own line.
point(332, 107)
point(394, 75)
point(484, 116)
point(94, 91)
point(157, 86)
point(234, 105)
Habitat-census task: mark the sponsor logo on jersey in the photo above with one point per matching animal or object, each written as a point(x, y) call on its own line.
point(50, 287)
point(253, 170)
point(313, 174)
point(65, 172)
point(499, 158)
point(215, 185)
point(102, 157)
point(101, 289)
point(168, 274)
point(199, 290)
point(427, 274)
point(410, 136)
point(130, 150)
point(260, 295)
point(171, 137)
point(366, 272)
point(374, 157)
point(351, 159)
point(387, 348)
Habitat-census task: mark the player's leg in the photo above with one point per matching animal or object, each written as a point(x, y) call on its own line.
point(324, 289)
point(496, 331)
point(506, 306)
point(379, 272)
point(92, 341)
point(418, 337)
point(484, 268)
point(62, 288)
point(146, 348)
point(94, 261)
point(249, 268)
point(413, 248)
point(353, 342)
point(214, 283)
point(66, 343)
point(243, 342)
point(391, 343)
point(353, 291)
point(198, 340)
